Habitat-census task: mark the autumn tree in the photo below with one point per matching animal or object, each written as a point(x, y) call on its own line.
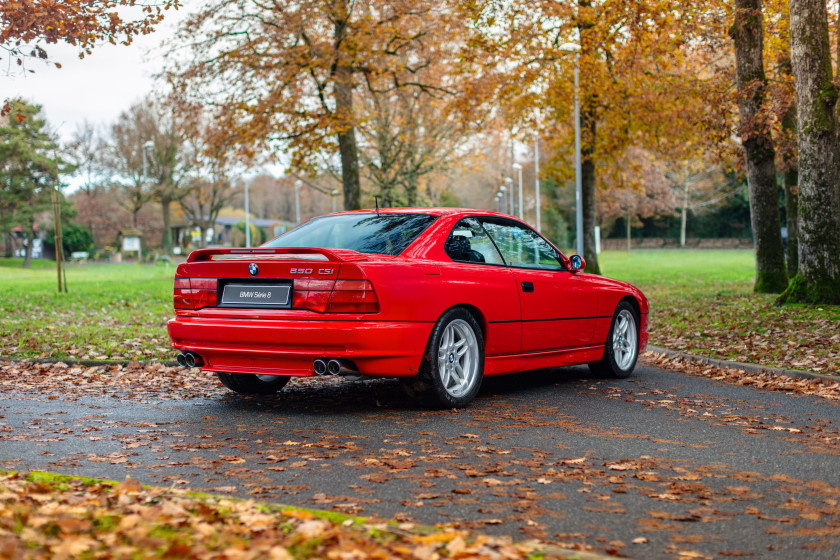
point(640, 188)
point(639, 76)
point(284, 75)
point(409, 133)
point(210, 186)
point(150, 158)
point(26, 24)
point(818, 280)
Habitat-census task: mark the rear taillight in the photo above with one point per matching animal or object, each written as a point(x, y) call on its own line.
point(194, 293)
point(312, 294)
point(335, 296)
point(353, 296)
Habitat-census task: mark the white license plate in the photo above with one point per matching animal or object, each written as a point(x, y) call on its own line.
point(256, 295)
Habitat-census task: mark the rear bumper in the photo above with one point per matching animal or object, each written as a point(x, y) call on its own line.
point(288, 347)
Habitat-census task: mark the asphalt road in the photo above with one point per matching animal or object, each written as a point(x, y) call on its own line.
point(685, 466)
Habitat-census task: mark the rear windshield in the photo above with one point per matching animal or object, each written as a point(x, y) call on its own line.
point(384, 234)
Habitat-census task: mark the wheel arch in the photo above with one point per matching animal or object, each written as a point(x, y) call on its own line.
point(634, 303)
point(475, 312)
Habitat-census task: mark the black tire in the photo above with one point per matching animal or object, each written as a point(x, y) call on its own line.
point(250, 384)
point(620, 362)
point(429, 386)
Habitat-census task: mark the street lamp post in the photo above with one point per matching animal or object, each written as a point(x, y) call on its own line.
point(537, 169)
point(499, 201)
point(575, 48)
point(503, 190)
point(333, 194)
point(247, 219)
point(512, 207)
point(298, 183)
point(518, 168)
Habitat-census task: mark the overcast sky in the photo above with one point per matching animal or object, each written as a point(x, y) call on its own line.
point(97, 88)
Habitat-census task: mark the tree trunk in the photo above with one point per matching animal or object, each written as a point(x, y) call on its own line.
point(587, 125)
point(791, 182)
point(628, 232)
point(748, 35)
point(27, 259)
point(684, 211)
point(343, 83)
point(411, 190)
point(818, 280)
point(166, 214)
point(9, 251)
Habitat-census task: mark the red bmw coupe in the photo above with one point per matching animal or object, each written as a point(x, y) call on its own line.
point(437, 297)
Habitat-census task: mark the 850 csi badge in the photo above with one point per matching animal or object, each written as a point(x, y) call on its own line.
point(253, 269)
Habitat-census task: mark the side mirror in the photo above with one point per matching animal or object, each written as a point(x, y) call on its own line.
point(577, 262)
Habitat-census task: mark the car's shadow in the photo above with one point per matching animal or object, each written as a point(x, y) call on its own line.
point(330, 395)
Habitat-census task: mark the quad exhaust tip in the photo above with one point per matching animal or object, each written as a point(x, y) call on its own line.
point(190, 360)
point(336, 366)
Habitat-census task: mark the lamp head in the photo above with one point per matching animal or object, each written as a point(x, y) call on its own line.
point(517, 166)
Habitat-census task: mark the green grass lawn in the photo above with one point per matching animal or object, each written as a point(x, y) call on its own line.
point(701, 302)
point(112, 311)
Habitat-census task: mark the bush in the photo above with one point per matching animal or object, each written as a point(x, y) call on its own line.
point(73, 238)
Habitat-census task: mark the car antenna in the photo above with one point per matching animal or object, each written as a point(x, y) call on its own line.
point(376, 198)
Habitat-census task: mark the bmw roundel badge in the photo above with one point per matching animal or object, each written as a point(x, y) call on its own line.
point(253, 269)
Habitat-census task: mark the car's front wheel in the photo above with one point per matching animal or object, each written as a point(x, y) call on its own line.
point(622, 348)
point(251, 384)
point(453, 364)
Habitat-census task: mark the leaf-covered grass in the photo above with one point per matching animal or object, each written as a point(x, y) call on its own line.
point(702, 302)
point(112, 311)
point(44, 515)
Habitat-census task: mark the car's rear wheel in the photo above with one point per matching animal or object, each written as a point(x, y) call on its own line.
point(453, 364)
point(622, 348)
point(251, 384)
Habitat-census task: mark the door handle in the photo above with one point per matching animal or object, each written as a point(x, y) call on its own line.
point(527, 286)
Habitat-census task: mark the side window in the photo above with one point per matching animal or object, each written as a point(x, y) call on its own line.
point(523, 247)
point(468, 242)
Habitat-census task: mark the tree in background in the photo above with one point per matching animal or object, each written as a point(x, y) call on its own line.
point(818, 280)
point(640, 80)
point(409, 133)
point(296, 66)
point(640, 189)
point(150, 160)
point(29, 168)
point(754, 129)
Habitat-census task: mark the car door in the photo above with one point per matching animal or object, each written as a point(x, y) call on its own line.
point(478, 275)
point(558, 307)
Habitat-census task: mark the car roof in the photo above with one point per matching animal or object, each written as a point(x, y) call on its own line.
point(432, 211)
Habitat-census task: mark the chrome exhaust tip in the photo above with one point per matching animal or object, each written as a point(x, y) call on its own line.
point(182, 360)
point(320, 366)
point(193, 360)
point(344, 368)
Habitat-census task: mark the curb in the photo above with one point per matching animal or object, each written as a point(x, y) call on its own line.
point(749, 368)
point(90, 363)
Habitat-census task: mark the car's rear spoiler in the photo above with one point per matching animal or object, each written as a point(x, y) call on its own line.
point(275, 253)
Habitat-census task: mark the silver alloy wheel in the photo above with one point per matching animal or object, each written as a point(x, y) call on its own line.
point(458, 358)
point(625, 340)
